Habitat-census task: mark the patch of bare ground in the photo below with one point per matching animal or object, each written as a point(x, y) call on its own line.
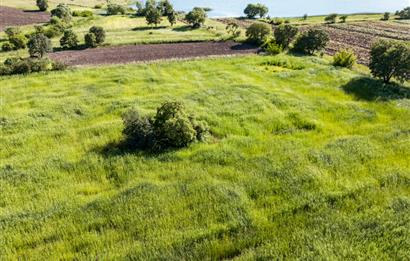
point(15, 17)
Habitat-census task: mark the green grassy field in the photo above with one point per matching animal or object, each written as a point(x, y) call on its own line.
point(306, 161)
point(320, 19)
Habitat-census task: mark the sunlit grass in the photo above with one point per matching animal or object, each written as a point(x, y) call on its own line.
point(296, 167)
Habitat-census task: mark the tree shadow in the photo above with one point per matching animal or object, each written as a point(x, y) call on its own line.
point(244, 46)
point(145, 28)
point(184, 28)
point(368, 89)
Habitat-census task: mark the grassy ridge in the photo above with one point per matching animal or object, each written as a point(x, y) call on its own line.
point(302, 164)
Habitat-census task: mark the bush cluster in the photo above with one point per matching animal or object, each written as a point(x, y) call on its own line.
point(28, 65)
point(344, 58)
point(390, 59)
point(196, 17)
point(42, 5)
point(39, 45)
point(285, 34)
point(63, 12)
point(171, 127)
point(15, 40)
point(272, 48)
point(84, 13)
point(331, 19)
point(252, 10)
point(233, 29)
point(311, 41)
point(94, 37)
point(69, 40)
point(258, 33)
point(115, 9)
point(343, 18)
point(405, 13)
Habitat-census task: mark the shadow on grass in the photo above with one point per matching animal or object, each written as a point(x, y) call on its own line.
point(184, 28)
point(78, 48)
point(368, 89)
point(145, 28)
point(123, 147)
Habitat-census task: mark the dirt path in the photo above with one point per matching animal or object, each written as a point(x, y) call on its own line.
point(15, 17)
point(150, 52)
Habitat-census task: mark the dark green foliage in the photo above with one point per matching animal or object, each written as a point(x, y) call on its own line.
point(405, 13)
point(153, 16)
point(54, 31)
point(7, 47)
point(386, 16)
point(331, 19)
point(233, 29)
point(39, 45)
point(42, 5)
point(16, 40)
point(90, 40)
point(84, 13)
point(172, 18)
point(196, 17)
point(165, 7)
point(69, 40)
point(343, 18)
point(252, 10)
point(63, 12)
point(25, 66)
point(311, 41)
point(284, 34)
point(390, 59)
point(258, 33)
point(99, 33)
point(272, 48)
point(344, 58)
point(115, 9)
point(171, 127)
point(305, 17)
point(98, 6)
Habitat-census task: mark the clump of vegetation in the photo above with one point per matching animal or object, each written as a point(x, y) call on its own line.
point(98, 6)
point(15, 40)
point(305, 17)
point(405, 13)
point(196, 17)
point(344, 58)
point(311, 41)
point(153, 16)
point(83, 13)
point(42, 5)
point(233, 29)
point(331, 19)
point(386, 16)
point(390, 59)
point(55, 28)
point(39, 45)
point(63, 12)
point(115, 9)
point(69, 40)
point(343, 18)
point(252, 10)
point(28, 65)
point(258, 33)
point(171, 127)
point(94, 37)
point(272, 48)
point(285, 34)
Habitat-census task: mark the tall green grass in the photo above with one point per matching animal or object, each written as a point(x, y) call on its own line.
point(300, 164)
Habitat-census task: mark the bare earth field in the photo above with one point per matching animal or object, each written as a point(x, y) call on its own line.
point(150, 52)
point(15, 17)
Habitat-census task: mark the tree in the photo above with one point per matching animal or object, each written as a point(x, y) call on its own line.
point(386, 16)
point(42, 5)
point(252, 10)
point(390, 59)
point(99, 33)
point(165, 7)
point(153, 16)
point(90, 40)
point(63, 12)
point(344, 58)
point(405, 13)
point(196, 17)
point(305, 17)
point(39, 45)
point(172, 18)
point(69, 40)
point(284, 34)
point(233, 29)
point(343, 18)
point(331, 19)
point(258, 33)
point(311, 41)
point(115, 9)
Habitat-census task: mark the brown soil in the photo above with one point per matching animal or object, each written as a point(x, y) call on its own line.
point(150, 52)
point(16, 17)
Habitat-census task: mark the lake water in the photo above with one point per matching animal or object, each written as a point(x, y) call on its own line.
point(288, 8)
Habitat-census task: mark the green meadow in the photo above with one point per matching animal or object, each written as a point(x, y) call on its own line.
point(305, 161)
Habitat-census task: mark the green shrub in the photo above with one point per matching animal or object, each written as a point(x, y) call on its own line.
point(4, 70)
point(272, 48)
point(171, 127)
point(405, 13)
point(344, 58)
point(331, 19)
point(258, 33)
point(165, 7)
point(343, 18)
point(172, 18)
point(233, 29)
point(98, 6)
point(284, 34)
point(69, 40)
point(99, 33)
point(390, 59)
point(63, 12)
point(196, 17)
point(311, 41)
point(42, 5)
point(16, 65)
point(90, 40)
point(115, 9)
point(84, 13)
point(39, 45)
point(276, 21)
point(386, 16)
point(7, 47)
point(305, 17)
point(16, 39)
point(53, 31)
point(252, 10)
point(153, 16)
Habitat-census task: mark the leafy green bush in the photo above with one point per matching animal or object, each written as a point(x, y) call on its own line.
point(331, 19)
point(16, 40)
point(53, 31)
point(98, 6)
point(284, 34)
point(276, 21)
point(390, 59)
point(386, 16)
point(311, 41)
point(153, 16)
point(7, 47)
point(196, 17)
point(343, 18)
point(258, 33)
point(165, 7)
point(344, 58)
point(233, 29)
point(25, 66)
point(84, 13)
point(42, 5)
point(90, 40)
point(171, 127)
point(405, 13)
point(63, 12)
point(69, 40)
point(172, 18)
point(99, 33)
point(115, 9)
point(39, 45)
point(272, 48)
point(252, 10)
